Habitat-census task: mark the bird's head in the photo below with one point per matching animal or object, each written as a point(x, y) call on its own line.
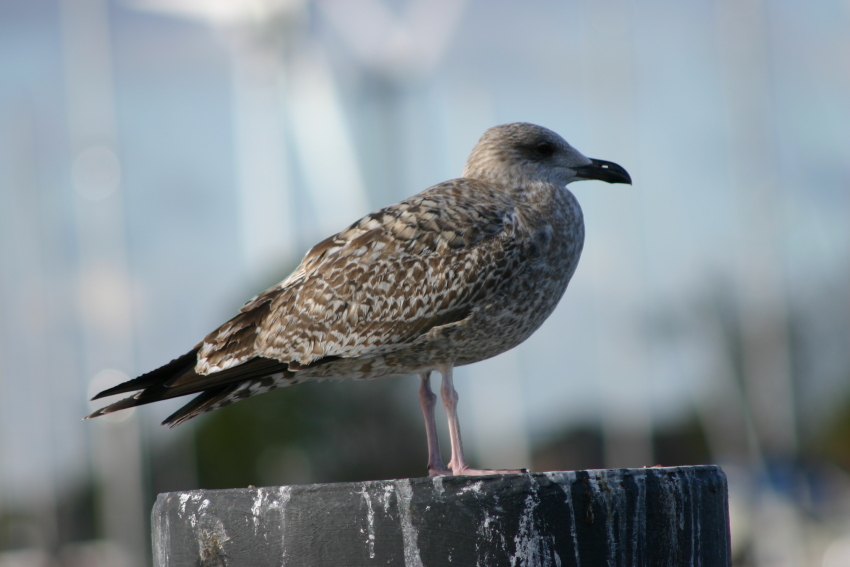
point(517, 154)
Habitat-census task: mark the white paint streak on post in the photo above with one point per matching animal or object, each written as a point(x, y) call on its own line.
point(370, 523)
point(284, 493)
point(257, 508)
point(386, 496)
point(404, 494)
point(162, 537)
point(438, 486)
point(533, 549)
point(565, 479)
point(474, 487)
point(183, 499)
point(609, 520)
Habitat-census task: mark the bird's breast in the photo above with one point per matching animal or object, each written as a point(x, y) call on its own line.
point(546, 257)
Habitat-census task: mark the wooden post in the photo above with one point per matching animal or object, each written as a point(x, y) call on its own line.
point(657, 516)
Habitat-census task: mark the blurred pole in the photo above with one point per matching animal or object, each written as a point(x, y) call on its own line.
point(608, 71)
point(763, 308)
point(725, 417)
point(25, 256)
point(103, 282)
point(268, 211)
point(391, 47)
point(329, 163)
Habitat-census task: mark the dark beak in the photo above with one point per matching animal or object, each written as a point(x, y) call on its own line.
point(603, 170)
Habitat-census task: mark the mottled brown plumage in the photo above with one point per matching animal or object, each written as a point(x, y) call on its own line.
point(459, 273)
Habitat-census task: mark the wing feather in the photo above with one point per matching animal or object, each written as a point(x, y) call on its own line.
point(377, 285)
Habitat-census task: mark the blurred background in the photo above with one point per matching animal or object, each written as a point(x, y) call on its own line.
point(161, 161)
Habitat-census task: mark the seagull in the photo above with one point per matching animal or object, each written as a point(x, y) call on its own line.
point(456, 274)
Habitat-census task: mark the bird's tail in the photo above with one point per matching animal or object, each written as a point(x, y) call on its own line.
point(178, 378)
point(176, 368)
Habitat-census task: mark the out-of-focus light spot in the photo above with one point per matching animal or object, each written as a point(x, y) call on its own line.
point(104, 296)
point(96, 173)
point(104, 379)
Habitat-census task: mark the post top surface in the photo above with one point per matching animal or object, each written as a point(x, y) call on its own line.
point(552, 476)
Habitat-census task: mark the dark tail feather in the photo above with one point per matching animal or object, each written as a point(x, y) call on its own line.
point(200, 404)
point(126, 403)
point(178, 378)
point(207, 401)
point(156, 377)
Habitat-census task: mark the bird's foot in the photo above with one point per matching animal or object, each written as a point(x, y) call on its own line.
point(439, 471)
point(467, 471)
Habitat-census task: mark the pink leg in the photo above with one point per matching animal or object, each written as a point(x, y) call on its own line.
point(458, 463)
point(428, 400)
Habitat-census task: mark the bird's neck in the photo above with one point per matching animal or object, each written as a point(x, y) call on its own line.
point(537, 194)
point(544, 204)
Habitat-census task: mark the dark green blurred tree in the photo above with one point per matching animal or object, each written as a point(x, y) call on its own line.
point(833, 441)
point(314, 432)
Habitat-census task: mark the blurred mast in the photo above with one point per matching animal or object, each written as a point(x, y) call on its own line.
point(29, 274)
point(103, 282)
point(761, 286)
point(762, 302)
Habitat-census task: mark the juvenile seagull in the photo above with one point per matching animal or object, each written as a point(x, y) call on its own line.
point(461, 272)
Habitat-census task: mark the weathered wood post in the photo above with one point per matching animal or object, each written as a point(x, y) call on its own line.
point(673, 517)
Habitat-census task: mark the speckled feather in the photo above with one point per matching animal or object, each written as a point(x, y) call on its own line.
point(458, 273)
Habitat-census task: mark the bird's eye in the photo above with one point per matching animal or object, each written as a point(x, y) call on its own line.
point(545, 149)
